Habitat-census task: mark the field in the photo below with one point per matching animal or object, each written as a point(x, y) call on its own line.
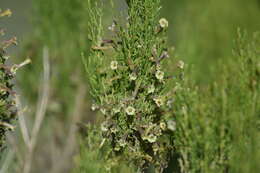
point(148, 86)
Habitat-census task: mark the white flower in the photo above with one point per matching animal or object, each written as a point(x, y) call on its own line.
point(159, 75)
point(158, 101)
point(162, 125)
point(152, 59)
point(112, 27)
point(151, 89)
point(180, 64)
point(130, 110)
point(133, 76)
point(114, 65)
point(104, 127)
point(163, 23)
point(151, 138)
point(94, 107)
point(171, 125)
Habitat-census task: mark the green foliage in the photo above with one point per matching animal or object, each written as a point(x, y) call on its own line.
point(130, 87)
point(65, 41)
point(218, 129)
point(203, 31)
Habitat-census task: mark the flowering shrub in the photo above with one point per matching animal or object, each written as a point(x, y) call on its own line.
point(7, 102)
point(7, 108)
point(130, 86)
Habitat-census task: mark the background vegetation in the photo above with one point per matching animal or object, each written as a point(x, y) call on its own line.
point(217, 108)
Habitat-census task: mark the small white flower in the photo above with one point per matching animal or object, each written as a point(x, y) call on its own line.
point(114, 65)
point(112, 27)
point(139, 46)
point(133, 76)
point(163, 23)
point(151, 89)
point(171, 125)
point(130, 110)
point(151, 138)
point(104, 127)
point(180, 64)
point(158, 101)
point(163, 125)
point(94, 107)
point(152, 59)
point(159, 75)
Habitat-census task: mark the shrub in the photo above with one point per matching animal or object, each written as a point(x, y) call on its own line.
point(218, 128)
point(130, 85)
point(7, 95)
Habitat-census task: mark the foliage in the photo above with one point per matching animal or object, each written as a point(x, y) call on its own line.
point(203, 31)
point(218, 128)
